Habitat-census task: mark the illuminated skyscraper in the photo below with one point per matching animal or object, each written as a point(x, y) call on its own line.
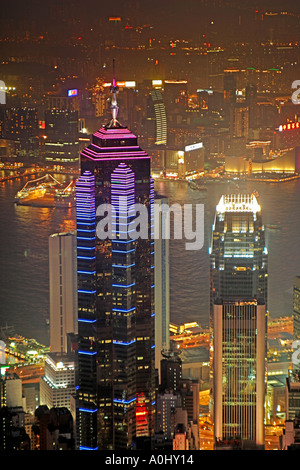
point(116, 363)
point(251, 102)
point(162, 287)
point(238, 319)
point(61, 140)
point(62, 289)
point(239, 371)
point(156, 122)
point(238, 253)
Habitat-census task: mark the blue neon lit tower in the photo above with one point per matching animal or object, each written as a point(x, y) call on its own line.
point(86, 273)
point(116, 363)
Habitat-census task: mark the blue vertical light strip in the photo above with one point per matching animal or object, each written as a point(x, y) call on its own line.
point(86, 234)
point(86, 276)
point(123, 268)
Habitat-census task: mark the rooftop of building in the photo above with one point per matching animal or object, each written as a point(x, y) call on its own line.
point(238, 203)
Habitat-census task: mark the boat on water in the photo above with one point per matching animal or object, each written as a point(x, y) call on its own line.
point(64, 200)
point(66, 197)
point(35, 189)
point(196, 187)
point(30, 193)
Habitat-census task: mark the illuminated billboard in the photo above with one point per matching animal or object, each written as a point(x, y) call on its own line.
point(73, 92)
point(123, 84)
point(188, 148)
point(289, 126)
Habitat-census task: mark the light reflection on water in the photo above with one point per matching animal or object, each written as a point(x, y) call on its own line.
point(24, 253)
point(24, 261)
point(190, 270)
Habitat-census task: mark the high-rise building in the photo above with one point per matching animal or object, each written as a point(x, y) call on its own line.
point(230, 87)
point(292, 395)
point(21, 124)
point(238, 254)
point(296, 307)
point(239, 121)
point(170, 372)
point(166, 404)
point(61, 136)
point(116, 362)
point(155, 126)
point(63, 289)
point(58, 384)
point(176, 94)
point(238, 319)
point(251, 102)
point(239, 371)
point(162, 285)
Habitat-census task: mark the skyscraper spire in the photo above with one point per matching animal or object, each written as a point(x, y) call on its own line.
point(114, 107)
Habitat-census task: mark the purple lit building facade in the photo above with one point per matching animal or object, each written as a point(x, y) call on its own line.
point(116, 359)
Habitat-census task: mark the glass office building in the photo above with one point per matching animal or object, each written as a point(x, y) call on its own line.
point(238, 253)
point(116, 362)
point(238, 299)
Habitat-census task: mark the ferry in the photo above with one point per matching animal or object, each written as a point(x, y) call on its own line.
point(65, 200)
point(196, 187)
point(35, 189)
point(66, 197)
point(32, 193)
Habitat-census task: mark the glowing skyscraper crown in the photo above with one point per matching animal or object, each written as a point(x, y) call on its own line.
point(238, 203)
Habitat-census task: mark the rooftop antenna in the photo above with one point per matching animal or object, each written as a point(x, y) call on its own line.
point(114, 90)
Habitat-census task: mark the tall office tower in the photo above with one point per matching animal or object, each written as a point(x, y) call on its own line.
point(238, 318)
point(239, 121)
point(238, 255)
point(162, 285)
point(230, 86)
point(116, 362)
point(170, 373)
point(156, 119)
point(20, 124)
point(176, 94)
point(63, 289)
point(61, 136)
point(239, 371)
point(296, 307)
point(251, 102)
point(167, 402)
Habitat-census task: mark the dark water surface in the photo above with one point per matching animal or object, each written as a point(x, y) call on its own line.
point(24, 233)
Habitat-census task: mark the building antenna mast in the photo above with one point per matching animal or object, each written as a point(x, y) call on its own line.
point(114, 90)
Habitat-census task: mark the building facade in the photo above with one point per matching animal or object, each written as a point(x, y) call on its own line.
point(162, 286)
point(116, 362)
point(61, 145)
point(63, 289)
point(58, 384)
point(296, 307)
point(239, 371)
point(238, 296)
